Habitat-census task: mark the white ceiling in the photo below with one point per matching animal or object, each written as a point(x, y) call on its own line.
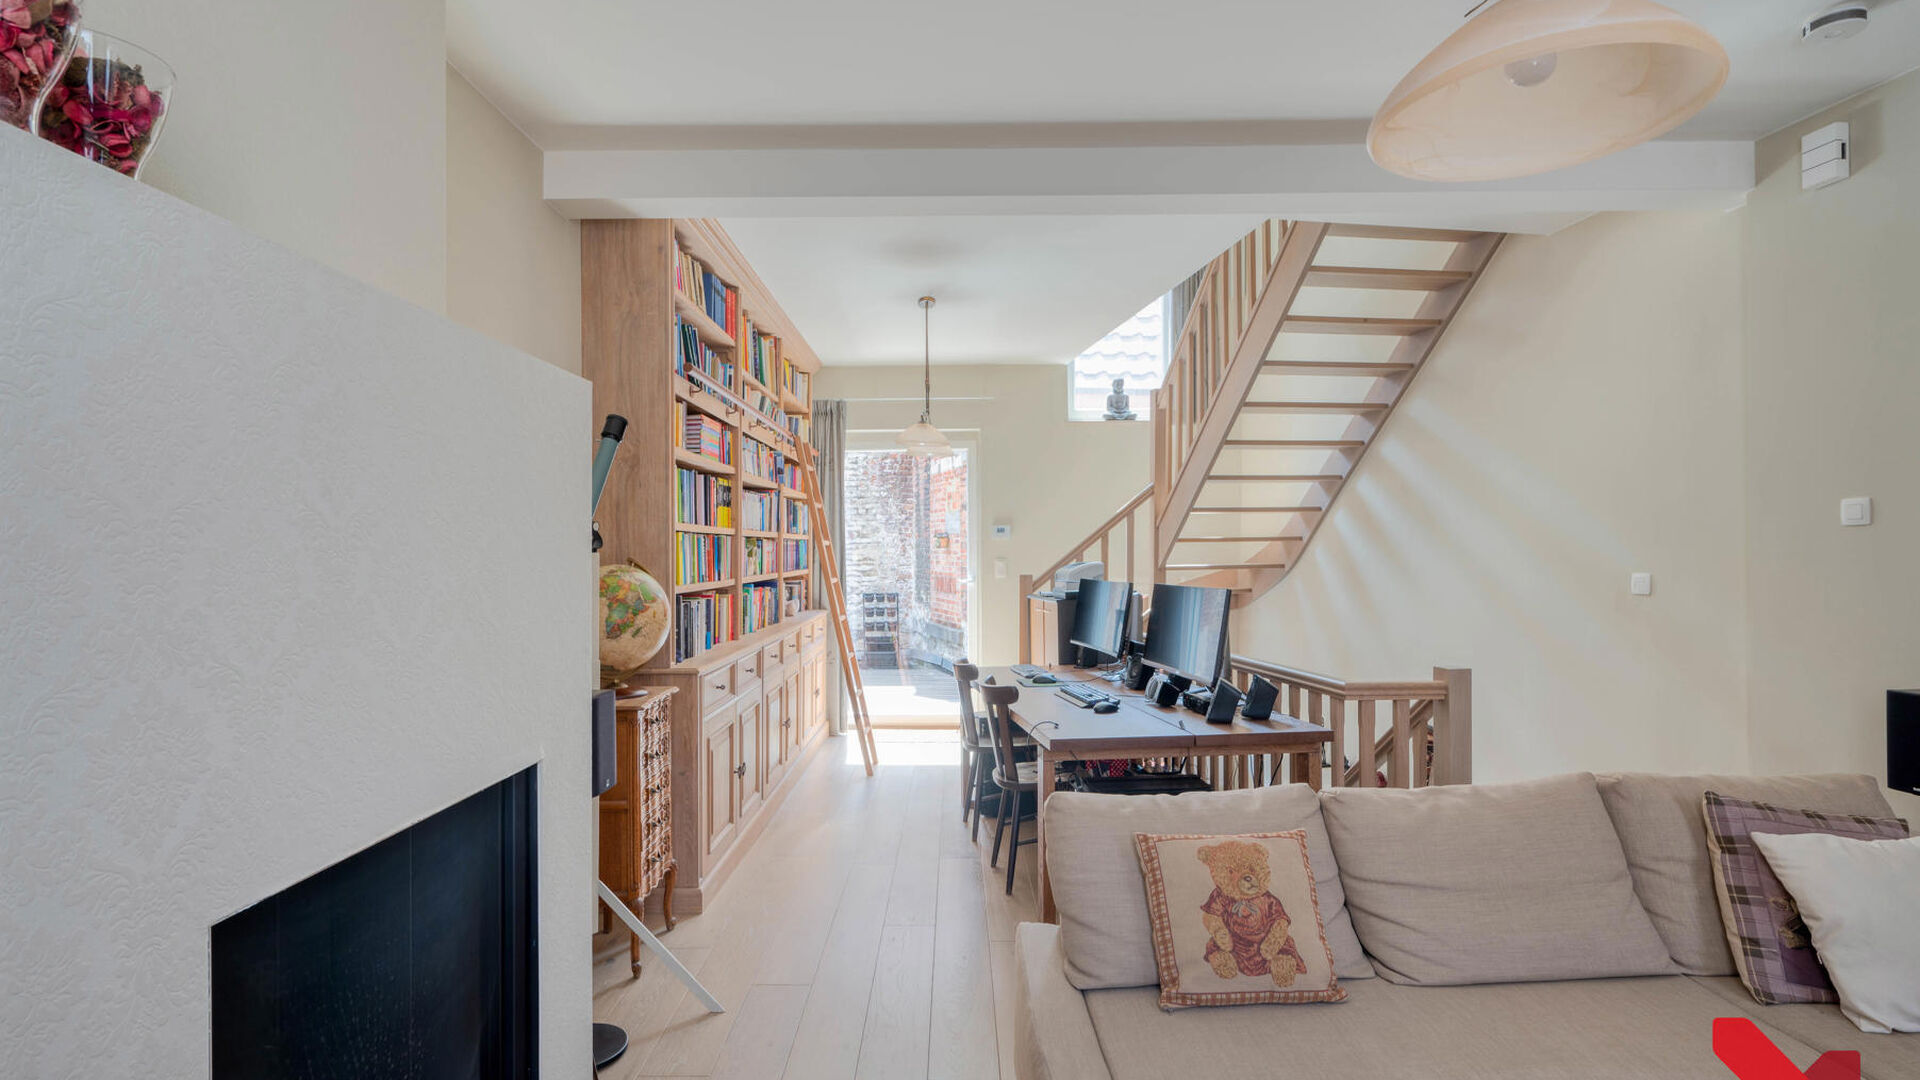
point(863, 152)
point(1007, 290)
point(575, 65)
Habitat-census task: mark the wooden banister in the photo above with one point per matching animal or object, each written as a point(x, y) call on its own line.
point(1392, 720)
point(1102, 541)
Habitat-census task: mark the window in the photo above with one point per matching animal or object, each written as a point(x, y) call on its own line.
point(1136, 351)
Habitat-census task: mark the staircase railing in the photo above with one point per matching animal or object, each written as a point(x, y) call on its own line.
point(1129, 531)
point(1414, 712)
point(1223, 303)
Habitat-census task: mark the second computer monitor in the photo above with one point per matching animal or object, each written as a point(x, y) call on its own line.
point(1100, 617)
point(1187, 631)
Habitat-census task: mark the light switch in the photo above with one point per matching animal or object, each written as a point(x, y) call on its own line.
point(1640, 584)
point(999, 568)
point(1856, 511)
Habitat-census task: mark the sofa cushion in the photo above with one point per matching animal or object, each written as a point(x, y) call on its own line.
point(1661, 831)
point(1235, 920)
point(1857, 898)
point(1601, 1029)
point(1094, 868)
point(1823, 1027)
point(1490, 883)
point(1768, 938)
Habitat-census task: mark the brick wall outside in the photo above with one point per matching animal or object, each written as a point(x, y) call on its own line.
point(892, 501)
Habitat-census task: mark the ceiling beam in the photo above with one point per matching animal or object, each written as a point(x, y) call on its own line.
point(1308, 182)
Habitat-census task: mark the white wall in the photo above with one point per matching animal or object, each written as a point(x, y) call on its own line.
point(1832, 390)
point(1053, 480)
point(290, 564)
point(513, 265)
point(1580, 421)
point(321, 126)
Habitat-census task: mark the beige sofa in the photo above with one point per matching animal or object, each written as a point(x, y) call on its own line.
point(1564, 928)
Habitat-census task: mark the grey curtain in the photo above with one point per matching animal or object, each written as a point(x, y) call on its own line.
point(830, 446)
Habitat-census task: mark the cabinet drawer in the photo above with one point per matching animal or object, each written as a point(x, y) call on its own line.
point(749, 668)
point(716, 688)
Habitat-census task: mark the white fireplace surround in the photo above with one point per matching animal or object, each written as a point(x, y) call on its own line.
point(286, 564)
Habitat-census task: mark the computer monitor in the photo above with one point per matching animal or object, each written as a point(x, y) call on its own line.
point(1187, 631)
point(1100, 616)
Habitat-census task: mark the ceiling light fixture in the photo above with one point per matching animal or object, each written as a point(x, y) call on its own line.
point(1529, 86)
point(921, 437)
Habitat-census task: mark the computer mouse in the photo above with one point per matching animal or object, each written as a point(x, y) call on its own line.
point(1044, 680)
point(1106, 706)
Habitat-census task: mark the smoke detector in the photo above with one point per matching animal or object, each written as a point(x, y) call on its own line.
point(1838, 21)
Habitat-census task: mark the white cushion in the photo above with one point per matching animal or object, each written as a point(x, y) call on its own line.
point(1857, 898)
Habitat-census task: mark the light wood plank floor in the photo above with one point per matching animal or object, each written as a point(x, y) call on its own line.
point(864, 936)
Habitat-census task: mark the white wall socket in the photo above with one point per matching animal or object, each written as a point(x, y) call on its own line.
point(999, 568)
point(1856, 511)
point(1640, 584)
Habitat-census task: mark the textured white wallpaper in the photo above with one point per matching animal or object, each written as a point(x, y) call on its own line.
point(286, 564)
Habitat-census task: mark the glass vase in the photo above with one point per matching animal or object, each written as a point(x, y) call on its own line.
point(109, 103)
point(36, 37)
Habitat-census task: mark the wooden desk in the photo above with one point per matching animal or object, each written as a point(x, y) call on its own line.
point(1063, 731)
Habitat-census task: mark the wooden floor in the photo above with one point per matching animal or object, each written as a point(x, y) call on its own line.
point(863, 937)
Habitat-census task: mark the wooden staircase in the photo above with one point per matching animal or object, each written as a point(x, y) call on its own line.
point(1302, 339)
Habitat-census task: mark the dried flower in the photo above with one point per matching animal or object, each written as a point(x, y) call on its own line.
point(29, 51)
point(104, 110)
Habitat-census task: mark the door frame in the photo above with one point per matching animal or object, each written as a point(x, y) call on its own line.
point(967, 439)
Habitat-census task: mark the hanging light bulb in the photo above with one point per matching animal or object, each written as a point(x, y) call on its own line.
point(921, 437)
point(1529, 86)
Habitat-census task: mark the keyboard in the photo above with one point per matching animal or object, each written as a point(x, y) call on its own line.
point(1028, 671)
point(1085, 696)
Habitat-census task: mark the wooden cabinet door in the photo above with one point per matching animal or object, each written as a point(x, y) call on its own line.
point(793, 735)
point(817, 675)
point(751, 769)
point(777, 718)
point(720, 779)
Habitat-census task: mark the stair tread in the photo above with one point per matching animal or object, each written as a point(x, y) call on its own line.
point(1384, 277)
point(1296, 444)
point(1336, 367)
point(1228, 566)
point(1255, 510)
point(1279, 478)
point(1402, 232)
point(1319, 406)
point(1356, 324)
point(1236, 539)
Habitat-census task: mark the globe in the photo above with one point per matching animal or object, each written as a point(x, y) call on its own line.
point(634, 617)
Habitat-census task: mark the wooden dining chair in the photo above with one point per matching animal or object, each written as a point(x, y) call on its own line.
point(976, 751)
point(1018, 781)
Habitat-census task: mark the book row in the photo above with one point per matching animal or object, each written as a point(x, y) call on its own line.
point(759, 606)
point(697, 355)
point(700, 557)
point(703, 621)
point(758, 557)
point(718, 299)
point(759, 511)
point(703, 434)
point(702, 499)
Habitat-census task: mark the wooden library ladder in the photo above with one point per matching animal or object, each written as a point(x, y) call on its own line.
point(837, 605)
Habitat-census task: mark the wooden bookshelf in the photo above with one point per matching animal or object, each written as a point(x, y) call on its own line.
point(646, 292)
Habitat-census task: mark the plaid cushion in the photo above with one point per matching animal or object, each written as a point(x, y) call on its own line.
point(1770, 945)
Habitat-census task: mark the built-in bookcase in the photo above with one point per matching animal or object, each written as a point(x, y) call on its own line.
point(682, 338)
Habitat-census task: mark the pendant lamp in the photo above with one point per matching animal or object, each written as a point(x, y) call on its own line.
point(1529, 86)
point(921, 437)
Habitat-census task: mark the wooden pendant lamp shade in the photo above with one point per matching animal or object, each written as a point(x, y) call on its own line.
point(1529, 86)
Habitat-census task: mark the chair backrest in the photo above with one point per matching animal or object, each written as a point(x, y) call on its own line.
point(966, 675)
point(1000, 701)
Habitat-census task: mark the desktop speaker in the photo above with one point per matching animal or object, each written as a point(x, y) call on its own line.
point(1162, 692)
point(1138, 673)
point(1903, 741)
point(1261, 696)
point(606, 756)
point(1226, 700)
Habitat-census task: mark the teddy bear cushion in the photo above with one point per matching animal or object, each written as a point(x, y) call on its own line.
point(1236, 920)
point(1489, 883)
point(1094, 867)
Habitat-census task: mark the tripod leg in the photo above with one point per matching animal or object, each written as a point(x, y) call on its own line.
point(626, 915)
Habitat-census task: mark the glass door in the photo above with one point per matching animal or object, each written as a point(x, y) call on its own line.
point(911, 590)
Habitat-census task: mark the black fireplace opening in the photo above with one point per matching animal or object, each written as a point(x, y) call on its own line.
point(411, 960)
